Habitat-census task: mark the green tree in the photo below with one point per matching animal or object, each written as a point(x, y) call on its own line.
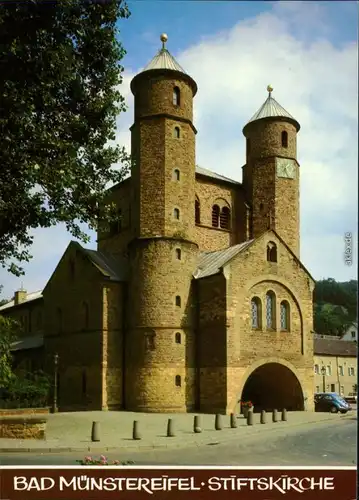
point(8, 329)
point(59, 99)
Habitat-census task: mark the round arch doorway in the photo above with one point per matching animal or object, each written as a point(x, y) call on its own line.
point(273, 386)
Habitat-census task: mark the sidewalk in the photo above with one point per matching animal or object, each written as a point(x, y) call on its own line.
point(67, 432)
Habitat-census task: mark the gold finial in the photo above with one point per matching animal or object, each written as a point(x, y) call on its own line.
point(163, 39)
point(270, 89)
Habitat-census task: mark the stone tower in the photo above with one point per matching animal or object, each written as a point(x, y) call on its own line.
point(271, 173)
point(160, 348)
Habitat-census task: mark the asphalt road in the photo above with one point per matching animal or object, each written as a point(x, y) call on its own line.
point(312, 444)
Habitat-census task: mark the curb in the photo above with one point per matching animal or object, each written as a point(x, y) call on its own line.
point(153, 446)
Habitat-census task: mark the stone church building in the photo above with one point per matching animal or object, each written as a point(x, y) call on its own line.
point(196, 298)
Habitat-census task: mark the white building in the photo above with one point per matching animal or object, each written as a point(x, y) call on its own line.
point(351, 333)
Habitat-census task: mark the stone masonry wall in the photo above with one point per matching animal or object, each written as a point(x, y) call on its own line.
point(154, 357)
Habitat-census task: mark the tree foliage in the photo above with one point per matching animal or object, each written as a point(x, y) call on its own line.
point(59, 100)
point(8, 330)
point(335, 306)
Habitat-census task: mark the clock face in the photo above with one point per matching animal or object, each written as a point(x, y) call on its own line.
point(286, 168)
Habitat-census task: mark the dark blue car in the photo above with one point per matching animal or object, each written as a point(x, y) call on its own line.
point(331, 401)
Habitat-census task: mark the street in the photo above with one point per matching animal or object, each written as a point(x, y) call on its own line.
point(316, 444)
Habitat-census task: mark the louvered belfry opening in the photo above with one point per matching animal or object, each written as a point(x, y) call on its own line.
point(225, 218)
point(215, 216)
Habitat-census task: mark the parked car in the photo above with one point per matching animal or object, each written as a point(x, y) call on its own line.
point(330, 401)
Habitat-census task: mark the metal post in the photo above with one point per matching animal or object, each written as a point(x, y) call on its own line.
point(54, 401)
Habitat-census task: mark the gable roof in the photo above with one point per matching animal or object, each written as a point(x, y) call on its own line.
point(29, 298)
point(335, 347)
point(214, 175)
point(211, 263)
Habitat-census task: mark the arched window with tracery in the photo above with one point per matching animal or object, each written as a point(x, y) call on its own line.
point(270, 310)
point(215, 215)
point(272, 252)
point(225, 217)
point(284, 315)
point(176, 96)
point(197, 211)
point(256, 312)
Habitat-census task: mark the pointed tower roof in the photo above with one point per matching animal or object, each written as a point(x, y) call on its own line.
point(164, 61)
point(272, 109)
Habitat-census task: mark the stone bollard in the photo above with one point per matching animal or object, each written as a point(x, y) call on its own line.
point(136, 432)
point(250, 418)
point(263, 417)
point(284, 415)
point(275, 416)
point(95, 433)
point(233, 421)
point(218, 422)
point(170, 428)
point(196, 424)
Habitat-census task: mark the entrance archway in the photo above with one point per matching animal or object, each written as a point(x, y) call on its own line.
point(273, 386)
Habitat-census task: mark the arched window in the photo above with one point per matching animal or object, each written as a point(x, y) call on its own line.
point(284, 139)
point(59, 319)
point(176, 174)
point(270, 310)
point(178, 380)
point(178, 301)
point(85, 316)
point(197, 211)
point(225, 217)
point(84, 383)
point(215, 216)
point(176, 213)
point(284, 315)
point(116, 225)
point(178, 338)
point(256, 311)
point(271, 252)
point(178, 254)
point(176, 132)
point(176, 96)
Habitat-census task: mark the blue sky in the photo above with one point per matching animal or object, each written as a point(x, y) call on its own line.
point(308, 52)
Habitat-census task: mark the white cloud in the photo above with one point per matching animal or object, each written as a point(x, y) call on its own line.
point(315, 81)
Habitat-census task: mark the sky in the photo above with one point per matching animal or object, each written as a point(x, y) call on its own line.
point(308, 52)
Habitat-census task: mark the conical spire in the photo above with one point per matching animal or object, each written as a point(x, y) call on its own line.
point(163, 59)
point(272, 109)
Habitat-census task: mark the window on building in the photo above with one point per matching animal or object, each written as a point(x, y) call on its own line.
point(176, 174)
point(178, 254)
point(178, 338)
point(272, 252)
point(177, 132)
point(284, 139)
point(176, 213)
point(316, 369)
point(329, 370)
point(215, 216)
point(341, 371)
point(176, 96)
point(342, 390)
point(353, 334)
point(270, 310)
point(84, 383)
point(256, 312)
point(317, 388)
point(332, 387)
point(150, 341)
point(225, 218)
point(351, 371)
point(178, 301)
point(284, 315)
point(197, 211)
point(178, 380)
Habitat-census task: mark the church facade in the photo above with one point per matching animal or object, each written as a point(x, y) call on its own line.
point(196, 298)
